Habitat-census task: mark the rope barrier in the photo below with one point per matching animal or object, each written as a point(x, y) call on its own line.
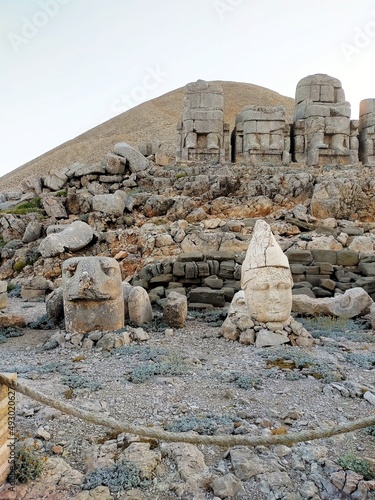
point(188, 437)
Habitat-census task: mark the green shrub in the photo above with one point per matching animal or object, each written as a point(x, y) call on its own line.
point(28, 465)
point(62, 192)
point(124, 475)
point(19, 265)
point(25, 207)
point(358, 465)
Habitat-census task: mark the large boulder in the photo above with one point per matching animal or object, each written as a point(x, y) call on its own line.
point(32, 232)
point(109, 204)
point(133, 158)
point(54, 207)
point(11, 228)
point(354, 302)
point(74, 237)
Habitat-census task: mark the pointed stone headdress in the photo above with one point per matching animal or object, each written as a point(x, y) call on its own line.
point(264, 251)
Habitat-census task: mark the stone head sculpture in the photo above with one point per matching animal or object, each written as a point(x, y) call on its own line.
point(266, 278)
point(92, 294)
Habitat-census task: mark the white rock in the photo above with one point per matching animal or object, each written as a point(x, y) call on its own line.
point(353, 302)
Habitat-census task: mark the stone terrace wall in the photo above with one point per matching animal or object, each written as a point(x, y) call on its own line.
point(215, 277)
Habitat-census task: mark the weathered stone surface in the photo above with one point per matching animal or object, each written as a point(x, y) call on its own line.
point(55, 181)
point(266, 278)
point(227, 486)
point(32, 184)
point(133, 159)
point(207, 296)
point(110, 204)
point(11, 227)
point(265, 338)
point(246, 463)
point(354, 302)
point(115, 164)
point(73, 237)
point(93, 294)
point(36, 286)
point(301, 256)
point(32, 232)
point(367, 268)
point(79, 170)
point(347, 258)
point(55, 305)
point(139, 306)
point(189, 459)
point(3, 294)
point(54, 207)
point(322, 255)
point(175, 310)
point(157, 205)
point(143, 457)
point(372, 315)
point(202, 134)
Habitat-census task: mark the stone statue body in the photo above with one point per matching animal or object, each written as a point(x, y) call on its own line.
point(266, 278)
point(92, 294)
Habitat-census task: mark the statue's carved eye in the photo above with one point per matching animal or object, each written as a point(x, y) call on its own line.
point(71, 270)
point(283, 286)
point(260, 287)
point(108, 270)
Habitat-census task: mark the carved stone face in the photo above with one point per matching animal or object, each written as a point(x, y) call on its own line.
point(268, 294)
point(92, 293)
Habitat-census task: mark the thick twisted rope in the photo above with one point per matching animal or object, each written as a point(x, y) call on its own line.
point(188, 437)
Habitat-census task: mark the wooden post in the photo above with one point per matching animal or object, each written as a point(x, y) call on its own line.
point(7, 416)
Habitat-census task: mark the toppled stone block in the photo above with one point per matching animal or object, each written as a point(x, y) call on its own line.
point(175, 310)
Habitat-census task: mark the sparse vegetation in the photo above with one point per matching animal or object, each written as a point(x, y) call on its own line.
point(79, 382)
point(167, 368)
point(365, 360)
point(358, 465)
point(291, 358)
point(214, 317)
point(244, 381)
point(124, 475)
point(44, 322)
point(335, 328)
point(19, 265)
point(205, 424)
point(14, 290)
point(26, 207)
point(28, 465)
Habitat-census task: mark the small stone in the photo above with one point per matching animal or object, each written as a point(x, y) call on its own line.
point(58, 449)
point(168, 332)
point(42, 433)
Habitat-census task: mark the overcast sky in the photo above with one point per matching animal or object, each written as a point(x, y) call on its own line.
point(69, 65)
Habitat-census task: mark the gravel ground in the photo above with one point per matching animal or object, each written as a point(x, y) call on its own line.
point(276, 398)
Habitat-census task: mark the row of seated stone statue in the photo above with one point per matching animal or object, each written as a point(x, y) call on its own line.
point(322, 132)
